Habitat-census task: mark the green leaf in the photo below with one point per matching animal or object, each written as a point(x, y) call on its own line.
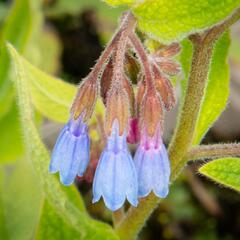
point(3, 227)
point(169, 21)
point(59, 200)
point(53, 227)
point(17, 30)
point(10, 137)
point(225, 171)
point(217, 89)
point(51, 96)
point(24, 213)
point(21, 200)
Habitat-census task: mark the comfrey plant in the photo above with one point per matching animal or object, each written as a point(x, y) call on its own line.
point(132, 78)
point(118, 176)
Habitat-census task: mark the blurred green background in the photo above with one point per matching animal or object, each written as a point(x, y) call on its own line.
point(65, 38)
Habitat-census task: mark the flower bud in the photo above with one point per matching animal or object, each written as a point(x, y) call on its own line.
point(85, 100)
point(164, 87)
point(133, 132)
point(129, 90)
point(169, 51)
point(151, 112)
point(169, 67)
point(140, 93)
point(117, 108)
point(106, 80)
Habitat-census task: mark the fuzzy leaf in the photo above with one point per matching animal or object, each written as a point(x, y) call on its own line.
point(217, 88)
point(58, 199)
point(225, 171)
point(173, 20)
point(9, 127)
point(17, 30)
point(51, 96)
point(20, 189)
point(52, 226)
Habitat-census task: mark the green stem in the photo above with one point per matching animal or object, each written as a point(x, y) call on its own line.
point(202, 51)
point(182, 140)
point(117, 216)
point(213, 151)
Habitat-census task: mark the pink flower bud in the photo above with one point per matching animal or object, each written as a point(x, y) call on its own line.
point(164, 87)
point(169, 51)
point(106, 80)
point(117, 108)
point(129, 90)
point(85, 99)
point(140, 94)
point(133, 133)
point(169, 67)
point(151, 112)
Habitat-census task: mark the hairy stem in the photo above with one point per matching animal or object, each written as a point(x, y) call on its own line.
point(127, 22)
point(117, 216)
point(182, 140)
point(137, 45)
point(128, 25)
point(213, 151)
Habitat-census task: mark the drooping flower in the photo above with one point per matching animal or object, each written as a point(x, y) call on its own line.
point(115, 177)
point(70, 155)
point(152, 165)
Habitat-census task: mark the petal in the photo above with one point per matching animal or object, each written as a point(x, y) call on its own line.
point(58, 151)
point(162, 174)
point(115, 179)
point(68, 167)
point(103, 175)
point(82, 152)
point(115, 193)
point(132, 191)
point(153, 170)
point(144, 166)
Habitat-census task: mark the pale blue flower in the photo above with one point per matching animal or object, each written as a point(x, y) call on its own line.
point(152, 166)
point(115, 177)
point(70, 155)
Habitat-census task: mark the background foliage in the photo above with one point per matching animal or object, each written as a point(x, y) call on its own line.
point(63, 38)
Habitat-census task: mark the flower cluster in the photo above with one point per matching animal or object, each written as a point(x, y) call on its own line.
point(130, 118)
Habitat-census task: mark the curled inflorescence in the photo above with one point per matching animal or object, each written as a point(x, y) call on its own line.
point(135, 118)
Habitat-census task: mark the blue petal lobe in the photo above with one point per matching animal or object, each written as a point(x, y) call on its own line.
point(162, 174)
point(58, 151)
point(82, 152)
point(68, 164)
point(143, 163)
point(115, 179)
point(132, 190)
point(153, 171)
point(71, 152)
